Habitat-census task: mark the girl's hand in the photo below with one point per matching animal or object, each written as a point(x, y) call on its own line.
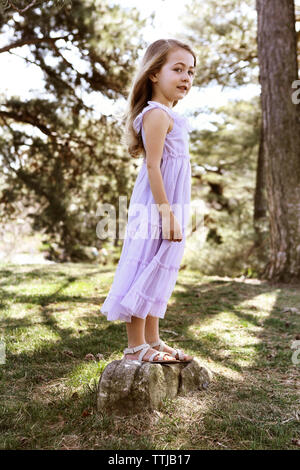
point(171, 229)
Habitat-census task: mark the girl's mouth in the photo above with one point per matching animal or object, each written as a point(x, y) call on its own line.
point(183, 88)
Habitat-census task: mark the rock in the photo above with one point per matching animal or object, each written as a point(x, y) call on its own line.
point(128, 387)
point(292, 310)
point(194, 377)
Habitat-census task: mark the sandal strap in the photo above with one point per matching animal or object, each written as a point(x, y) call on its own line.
point(180, 354)
point(143, 346)
point(159, 354)
point(162, 345)
point(159, 343)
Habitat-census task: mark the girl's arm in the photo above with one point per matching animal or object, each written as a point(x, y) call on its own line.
point(156, 123)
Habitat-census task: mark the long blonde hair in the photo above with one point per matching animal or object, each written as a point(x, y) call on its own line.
point(141, 89)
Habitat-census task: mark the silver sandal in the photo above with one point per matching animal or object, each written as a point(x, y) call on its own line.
point(162, 345)
point(144, 348)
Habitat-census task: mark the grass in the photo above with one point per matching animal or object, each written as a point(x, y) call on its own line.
point(50, 321)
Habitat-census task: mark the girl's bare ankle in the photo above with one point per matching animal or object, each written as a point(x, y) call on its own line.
point(134, 345)
point(152, 340)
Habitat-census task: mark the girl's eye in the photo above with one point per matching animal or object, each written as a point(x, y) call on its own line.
point(192, 73)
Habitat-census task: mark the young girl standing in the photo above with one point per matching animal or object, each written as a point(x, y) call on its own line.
point(148, 266)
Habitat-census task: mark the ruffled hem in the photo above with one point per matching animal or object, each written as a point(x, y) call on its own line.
point(141, 295)
point(142, 306)
point(146, 263)
point(135, 302)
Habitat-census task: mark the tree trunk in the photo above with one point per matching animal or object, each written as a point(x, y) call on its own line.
point(281, 128)
point(260, 203)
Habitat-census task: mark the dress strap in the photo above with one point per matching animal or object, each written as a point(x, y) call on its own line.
point(137, 123)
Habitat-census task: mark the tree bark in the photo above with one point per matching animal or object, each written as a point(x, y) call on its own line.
point(260, 202)
point(277, 54)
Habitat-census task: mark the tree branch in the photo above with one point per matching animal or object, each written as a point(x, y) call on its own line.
point(24, 9)
point(23, 42)
point(26, 119)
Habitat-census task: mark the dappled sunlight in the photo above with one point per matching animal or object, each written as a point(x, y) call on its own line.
point(50, 391)
point(85, 373)
point(34, 338)
point(264, 303)
point(233, 327)
point(28, 312)
point(79, 379)
point(83, 287)
point(38, 288)
point(77, 317)
point(222, 370)
point(229, 338)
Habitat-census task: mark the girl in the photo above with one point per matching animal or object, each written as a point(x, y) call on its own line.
point(148, 266)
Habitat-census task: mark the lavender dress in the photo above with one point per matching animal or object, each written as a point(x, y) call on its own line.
point(148, 266)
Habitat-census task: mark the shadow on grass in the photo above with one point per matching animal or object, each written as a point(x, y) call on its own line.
point(195, 303)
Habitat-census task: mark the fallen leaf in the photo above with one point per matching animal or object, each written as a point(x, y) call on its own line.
point(90, 357)
point(68, 352)
point(23, 440)
point(87, 412)
point(296, 442)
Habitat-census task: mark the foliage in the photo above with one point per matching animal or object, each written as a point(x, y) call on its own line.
point(224, 37)
point(224, 168)
point(55, 149)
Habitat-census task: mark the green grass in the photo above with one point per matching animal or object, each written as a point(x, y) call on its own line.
point(50, 320)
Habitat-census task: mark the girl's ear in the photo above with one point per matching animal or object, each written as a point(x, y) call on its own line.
point(153, 77)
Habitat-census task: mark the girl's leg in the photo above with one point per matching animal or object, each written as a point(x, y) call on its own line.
point(151, 329)
point(136, 336)
point(135, 331)
point(152, 332)
point(152, 335)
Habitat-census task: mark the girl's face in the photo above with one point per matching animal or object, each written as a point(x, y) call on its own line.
point(176, 73)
